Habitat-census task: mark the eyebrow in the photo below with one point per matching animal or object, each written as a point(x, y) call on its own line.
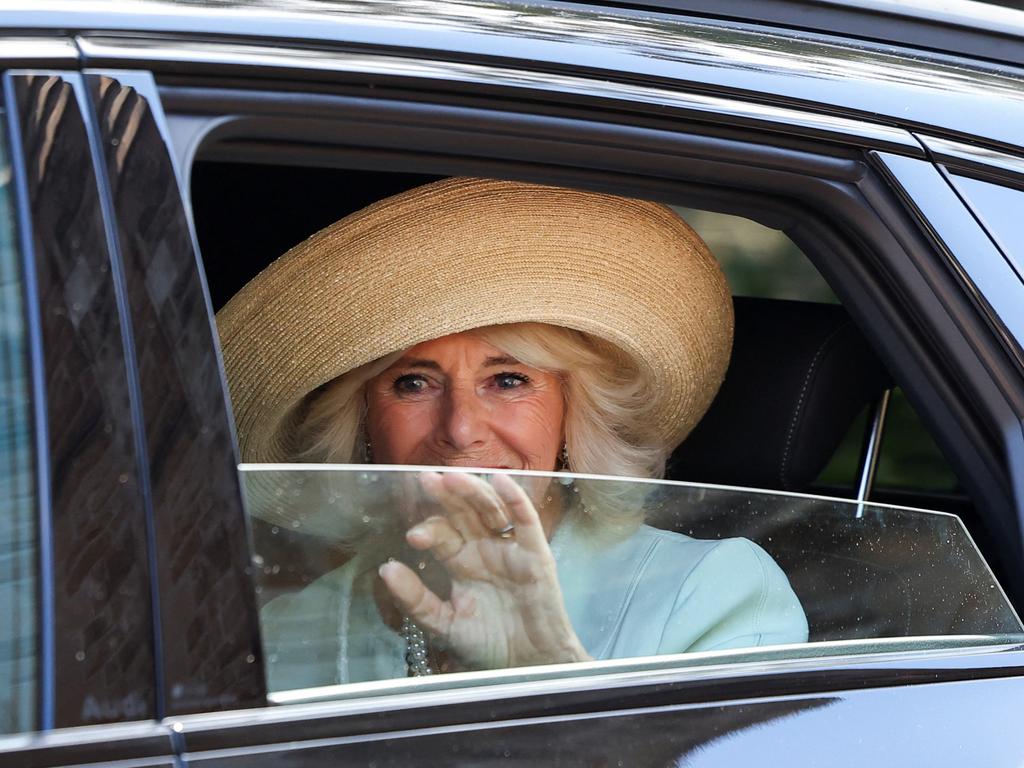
point(500, 360)
point(432, 365)
point(420, 363)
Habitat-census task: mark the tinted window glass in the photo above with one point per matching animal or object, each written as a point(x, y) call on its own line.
point(999, 209)
point(347, 596)
point(909, 458)
point(18, 532)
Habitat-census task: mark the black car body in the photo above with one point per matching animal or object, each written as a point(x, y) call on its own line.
point(891, 154)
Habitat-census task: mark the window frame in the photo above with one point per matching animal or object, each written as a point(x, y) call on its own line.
point(853, 188)
point(849, 190)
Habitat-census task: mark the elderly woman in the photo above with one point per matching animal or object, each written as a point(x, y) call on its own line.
point(499, 325)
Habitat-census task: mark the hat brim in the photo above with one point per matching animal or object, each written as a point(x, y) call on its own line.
point(467, 253)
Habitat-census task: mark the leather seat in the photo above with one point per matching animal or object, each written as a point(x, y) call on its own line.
point(800, 374)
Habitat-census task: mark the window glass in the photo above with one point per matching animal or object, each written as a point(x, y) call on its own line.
point(999, 209)
point(18, 533)
point(908, 457)
point(758, 260)
point(624, 569)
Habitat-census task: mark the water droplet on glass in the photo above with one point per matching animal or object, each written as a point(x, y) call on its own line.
point(80, 656)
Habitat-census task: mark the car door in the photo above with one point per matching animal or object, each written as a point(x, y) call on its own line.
point(89, 618)
point(654, 716)
point(204, 699)
point(126, 529)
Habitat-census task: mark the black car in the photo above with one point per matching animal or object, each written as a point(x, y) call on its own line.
point(863, 190)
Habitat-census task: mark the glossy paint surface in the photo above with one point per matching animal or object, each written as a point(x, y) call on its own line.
point(994, 278)
point(889, 719)
point(211, 655)
point(949, 96)
point(103, 636)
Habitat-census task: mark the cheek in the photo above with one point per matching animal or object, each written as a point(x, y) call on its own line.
point(534, 427)
point(395, 429)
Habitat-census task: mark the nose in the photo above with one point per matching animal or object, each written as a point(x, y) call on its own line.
point(464, 420)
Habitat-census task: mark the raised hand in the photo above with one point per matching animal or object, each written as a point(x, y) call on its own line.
point(506, 607)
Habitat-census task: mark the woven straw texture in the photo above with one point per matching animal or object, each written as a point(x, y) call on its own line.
point(466, 253)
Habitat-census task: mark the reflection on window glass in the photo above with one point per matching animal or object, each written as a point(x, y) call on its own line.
point(377, 574)
point(18, 538)
point(999, 209)
point(757, 260)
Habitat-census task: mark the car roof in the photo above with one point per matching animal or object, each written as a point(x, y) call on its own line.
point(976, 29)
point(931, 92)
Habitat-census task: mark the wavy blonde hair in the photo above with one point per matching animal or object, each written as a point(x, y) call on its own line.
point(609, 427)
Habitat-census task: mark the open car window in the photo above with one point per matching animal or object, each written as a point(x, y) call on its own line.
point(692, 573)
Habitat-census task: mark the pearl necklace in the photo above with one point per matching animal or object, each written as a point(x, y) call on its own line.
point(415, 649)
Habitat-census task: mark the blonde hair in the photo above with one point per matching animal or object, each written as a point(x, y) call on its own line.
point(609, 422)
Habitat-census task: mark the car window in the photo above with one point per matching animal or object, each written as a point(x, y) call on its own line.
point(999, 209)
point(758, 260)
point(832, 553)
point(645, 568)
point(763, 262)
point(19, 541)
point(908, 459)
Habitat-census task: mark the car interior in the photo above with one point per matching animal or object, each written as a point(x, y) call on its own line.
point(803, 407)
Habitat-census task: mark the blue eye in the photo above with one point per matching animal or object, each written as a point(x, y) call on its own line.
point(510, 380)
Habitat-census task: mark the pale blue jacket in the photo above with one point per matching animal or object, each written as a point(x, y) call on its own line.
point(654, 593)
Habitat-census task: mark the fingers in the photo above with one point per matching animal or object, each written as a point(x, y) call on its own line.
point(471, 504)
point(529, 531)
point(415, 600)
point(438, 535)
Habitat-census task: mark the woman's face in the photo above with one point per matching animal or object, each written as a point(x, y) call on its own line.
point(458, 401)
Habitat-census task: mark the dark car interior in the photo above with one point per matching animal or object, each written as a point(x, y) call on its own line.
point(803, 380)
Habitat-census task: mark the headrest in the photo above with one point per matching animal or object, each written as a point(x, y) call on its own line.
point(800, 374)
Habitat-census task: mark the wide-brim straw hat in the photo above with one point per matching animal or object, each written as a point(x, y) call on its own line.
point(465, 253)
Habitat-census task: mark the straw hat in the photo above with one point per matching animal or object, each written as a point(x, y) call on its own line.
point(465, 253)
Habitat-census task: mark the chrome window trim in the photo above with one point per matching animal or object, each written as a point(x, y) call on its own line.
point(958, 155)
point(390, 695)
point(962, 97)
point(646, 670)
point(38, 51)
point(836, 128)
point(969, 250)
